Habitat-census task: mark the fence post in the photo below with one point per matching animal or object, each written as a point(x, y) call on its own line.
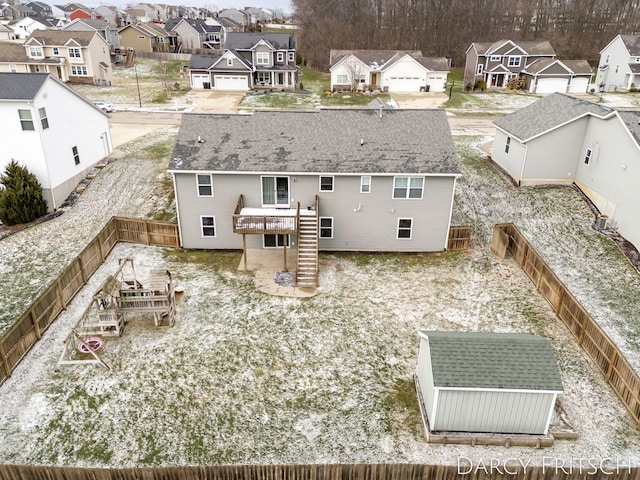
point(34, 320)
point(5, 361)
point(610, 369)
point(60, 296)
point(146, 232)
point(83, 274)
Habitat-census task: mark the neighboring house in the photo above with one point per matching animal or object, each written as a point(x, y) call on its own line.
point(387, 70)
point(26, 26)
point(548, 75)
point(6, 33)
point(619, 67)
point(41, 9)
point(359, 180)
point(487, 382)
point(150, 11)
point(71, 56)
point(238, 16)
point(81, 13)
point(110, 14)
point(146, 37)
point(563, 140)
point(496, 63)
point(229, 25)
point(104, 29)
point(52, 131)
point(137, 15)
point(196, 34)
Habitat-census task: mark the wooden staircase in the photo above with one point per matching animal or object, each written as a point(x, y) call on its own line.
point(307, 269)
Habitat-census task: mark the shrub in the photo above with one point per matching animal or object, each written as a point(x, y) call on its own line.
point(516, 83)
point(21, 199)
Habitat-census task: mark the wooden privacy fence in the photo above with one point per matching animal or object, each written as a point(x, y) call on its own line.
point(596, 343)
point(472, 470)
point(459, 237)
point(28, 329)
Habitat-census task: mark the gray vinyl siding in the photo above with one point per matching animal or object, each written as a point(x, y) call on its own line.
point(512, 161)
point(372, 228)
point(612, 188)
point(492, 411)
point(425, 378)
point(552, 157)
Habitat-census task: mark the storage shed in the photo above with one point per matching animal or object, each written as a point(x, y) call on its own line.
point(487, 382)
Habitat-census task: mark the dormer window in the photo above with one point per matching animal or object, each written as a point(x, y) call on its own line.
point(262, 58)
point(36, 52)
point(514, 61)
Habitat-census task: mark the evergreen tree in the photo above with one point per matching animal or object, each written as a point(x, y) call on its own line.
point(21, 199)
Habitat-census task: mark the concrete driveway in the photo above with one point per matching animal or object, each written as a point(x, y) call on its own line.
point(215, 101)
point(419, 100)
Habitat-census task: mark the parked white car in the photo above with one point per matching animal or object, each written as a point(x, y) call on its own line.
point(104, 106)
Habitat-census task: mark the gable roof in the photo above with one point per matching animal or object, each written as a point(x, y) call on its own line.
point(370, 57)
point(202, 62)
point(13, 52)
point(198, 25)
point(61, 37)
point(632, 42)
point(245, 41)
point(510, 361)
point(631, 120)
point(327, 141)
point(568, 67)
point(547, 114)
point(96, 24)
point(435, 64)
point(530, 47)
point(21, 86)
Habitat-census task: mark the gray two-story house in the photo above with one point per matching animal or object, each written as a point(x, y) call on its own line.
point(497, 62)
point(250, 60)
point(336, 180)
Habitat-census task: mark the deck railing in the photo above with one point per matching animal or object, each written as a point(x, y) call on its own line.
point(263, 224)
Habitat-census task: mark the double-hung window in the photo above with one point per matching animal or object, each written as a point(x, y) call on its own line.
point(36, 52)
point(26, 121)
point(587, 156)
point(76, 155)
point(326, 184)
point(365, 184)
point(262, 58)
point(408, 187)
point(74, 52)
point(43, 118)
point(342, 79)
point(326, 227)
point(405, 226)
point(205, 185)
point(514, 61)
point(79, 70)
point(507, 145)
point(208, 225)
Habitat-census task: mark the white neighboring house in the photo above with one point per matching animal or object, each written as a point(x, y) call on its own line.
point(619, 67)
point(387, 70)
point(52, 131)
point(564, 140)
point(26, 26)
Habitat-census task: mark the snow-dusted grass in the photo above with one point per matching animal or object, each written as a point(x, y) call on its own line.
point(244, 377)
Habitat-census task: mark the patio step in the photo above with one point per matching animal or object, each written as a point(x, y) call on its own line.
point(307, 271)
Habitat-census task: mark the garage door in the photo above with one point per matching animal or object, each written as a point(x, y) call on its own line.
point(404, 84)
point(231, 82)
point(579, 85)
point(551, 85)
point(200, 80)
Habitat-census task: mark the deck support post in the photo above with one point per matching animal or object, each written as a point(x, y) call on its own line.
point(244, 250)
point(286, 239)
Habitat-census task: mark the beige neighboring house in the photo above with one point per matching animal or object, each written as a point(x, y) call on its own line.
point(75, 57)
point(6, 33)
point(146, 37)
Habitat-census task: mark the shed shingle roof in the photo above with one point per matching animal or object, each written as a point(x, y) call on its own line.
point(546, 114)
point(328, 141)
point(513, 361)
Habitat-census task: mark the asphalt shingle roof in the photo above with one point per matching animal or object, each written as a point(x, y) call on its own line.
point(546, 114)
point(245, 41)
point(61, 37)
point(202, 62)
point(21, 86)
point(328, 141)
point(632, 42)
point(632, 120)
point(516, 361)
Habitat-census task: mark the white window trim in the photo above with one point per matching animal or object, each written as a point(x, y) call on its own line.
point(280, 56)
point(362, 183)
point(393, 188)
point(264, 56)
point(342, 79)
point(36, 52)
point(398, 237)
point(495, 58)
point(333, 183)
point(202, 227)
point(73, 57)
point(513, 59)
point(198, 184)
point(287, 240)
point(79, 71)
point(229, 62)
point(275, 205)
point(480, 69)
point(292, 56)
point(320, 227)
